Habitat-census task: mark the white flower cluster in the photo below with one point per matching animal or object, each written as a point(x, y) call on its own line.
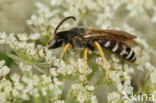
point(4, 70)
point(74, 68)
point(113, 97)
point(83, 94)
point(23, 87)
point(11, 40)
point(43, 76)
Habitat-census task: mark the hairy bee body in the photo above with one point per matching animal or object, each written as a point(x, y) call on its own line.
point(118, 48)
point(118, 42)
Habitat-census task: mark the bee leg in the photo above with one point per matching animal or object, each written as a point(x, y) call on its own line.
point(96, 44)
point(85, 63)
point(65, 49)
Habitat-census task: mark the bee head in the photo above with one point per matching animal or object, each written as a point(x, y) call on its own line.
point(58, 42)
point(59, 39)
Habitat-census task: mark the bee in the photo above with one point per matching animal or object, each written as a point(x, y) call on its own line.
point(118, 42)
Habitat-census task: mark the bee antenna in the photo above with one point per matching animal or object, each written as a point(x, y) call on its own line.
point(69, 17)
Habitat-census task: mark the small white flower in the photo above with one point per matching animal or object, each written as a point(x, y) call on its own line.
point(120, 87)
point(62, 69)
point(40, 21)
point(30, 45)
point(148, 65)
point(6, 85)
point(129, 70)
point(115, 59)
point(18, 86)
point(55, 2)
point(140, 67)
point(128, 89)
point(22, 45)
point(99, 60)
point(33, 20)
point(76, 86)
point(25, 96)
point(117, 66)
point(113, 97)
point(3, 38)
point(5, 70)
point(94, 99)
point(15, 92)
point(133, 13)
point(127, 82)
point(41, 6)
point(34, 36)
point(46, 79)
point(70, 69)
point(2, 41)
point(90, 87)
point(53, 72)
point(23, 36)
point(24, 67)
point(41, 53)
point(115, 76)
point(126, 75)
point(3, 35)
point(88, 71)
point(57, 82)
point(35, 92)
point(12, 37)
point(57, 91)
point(25, 79)
point(29, 22)
point(31, 51)
point(36, 80)
point(81, 98)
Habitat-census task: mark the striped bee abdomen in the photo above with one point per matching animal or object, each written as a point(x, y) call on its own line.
point(119, 48)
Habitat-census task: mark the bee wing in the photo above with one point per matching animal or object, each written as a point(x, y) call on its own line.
point(130, 43)
point(121, 36)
